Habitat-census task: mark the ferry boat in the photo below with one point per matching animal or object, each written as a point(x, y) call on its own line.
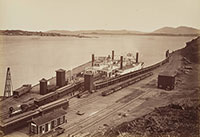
point(115, 65)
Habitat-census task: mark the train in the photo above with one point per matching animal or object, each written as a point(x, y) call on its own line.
point(126, 84)
point(45, 99)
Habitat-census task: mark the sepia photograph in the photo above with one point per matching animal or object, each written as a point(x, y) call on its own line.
point(99, 68)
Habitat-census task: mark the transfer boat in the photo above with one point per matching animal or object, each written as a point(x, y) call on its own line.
point(115, 65)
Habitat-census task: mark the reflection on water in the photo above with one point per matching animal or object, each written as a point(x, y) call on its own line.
point(31, 57)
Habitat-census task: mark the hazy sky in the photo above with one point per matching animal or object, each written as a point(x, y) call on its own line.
point(142, 15)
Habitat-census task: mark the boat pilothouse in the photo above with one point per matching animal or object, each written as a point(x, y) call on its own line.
point(115, 65)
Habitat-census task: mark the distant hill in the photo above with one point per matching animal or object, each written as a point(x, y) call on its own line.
point(40, 33)
point(101, 32)
point(182, 30)
point(168, 31)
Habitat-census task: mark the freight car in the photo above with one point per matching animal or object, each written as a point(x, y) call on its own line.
point(126, 83)
point(61, 103)
point(22, 90)
point(50, 97)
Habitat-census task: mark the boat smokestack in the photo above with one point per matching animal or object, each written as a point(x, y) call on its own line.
point(121, 62)
point(92, 60)
point(137, 55)
point(113, 54)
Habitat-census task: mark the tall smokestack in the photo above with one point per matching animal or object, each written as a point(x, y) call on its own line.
point(43, 86)
point(121, 62)
point(92, 59)
point(113, 54)
point(137, 55)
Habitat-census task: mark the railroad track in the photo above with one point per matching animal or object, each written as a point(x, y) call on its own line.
point(92, 99)
point(78, 127)
point(103, 113)
point(79, 104)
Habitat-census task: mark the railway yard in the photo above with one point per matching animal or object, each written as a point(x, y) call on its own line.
point(93, 113)
point(100, 111)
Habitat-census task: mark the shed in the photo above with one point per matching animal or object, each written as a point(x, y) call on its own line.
point(166, 80)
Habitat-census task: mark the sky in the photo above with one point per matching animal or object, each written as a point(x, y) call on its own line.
point(140, 15)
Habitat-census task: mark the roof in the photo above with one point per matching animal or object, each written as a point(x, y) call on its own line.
point(168, 73)
point(43, 80)
point(49, 116)
point(23, 87)
point(60, 70)
point(45, 96)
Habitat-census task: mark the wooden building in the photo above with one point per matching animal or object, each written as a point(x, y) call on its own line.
point(166, 80)
point(47, 122)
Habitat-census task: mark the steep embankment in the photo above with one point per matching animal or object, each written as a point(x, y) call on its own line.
point(192, 50)
point(181, 117)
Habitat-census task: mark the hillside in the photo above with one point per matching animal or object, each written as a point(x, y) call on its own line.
point(192, 50)
point(182, 30)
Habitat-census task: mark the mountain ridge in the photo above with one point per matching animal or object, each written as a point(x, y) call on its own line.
point(164, 31)
point(181, 30)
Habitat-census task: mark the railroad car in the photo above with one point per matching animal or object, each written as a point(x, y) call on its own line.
point(125, 84)
point(61, 103)
point(22, 90)
point(52, 96)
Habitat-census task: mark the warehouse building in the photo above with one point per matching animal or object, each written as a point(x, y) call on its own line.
point(47, 122)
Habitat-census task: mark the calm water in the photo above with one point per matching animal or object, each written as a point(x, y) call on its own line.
point(32, 58)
